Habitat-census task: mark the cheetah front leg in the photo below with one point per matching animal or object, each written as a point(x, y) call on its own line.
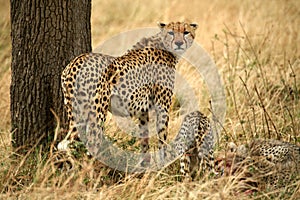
point(144, 132)
point(144, 136)
point(204, 144)
point(162, 124)
point(161, 127)
point(163, 98)
point(182, 150)
point(185, 163)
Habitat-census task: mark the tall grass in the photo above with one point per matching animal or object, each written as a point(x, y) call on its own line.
point(255, 45)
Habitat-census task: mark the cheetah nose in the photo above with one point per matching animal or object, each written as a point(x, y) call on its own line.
point(179, 43)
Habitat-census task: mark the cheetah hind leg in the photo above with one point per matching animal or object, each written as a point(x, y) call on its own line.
point(72, 133)
point(64, 145)
point(72, 142)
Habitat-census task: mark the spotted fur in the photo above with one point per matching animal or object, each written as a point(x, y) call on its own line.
point(272, 163)
point(129, 85)
point(194, 144)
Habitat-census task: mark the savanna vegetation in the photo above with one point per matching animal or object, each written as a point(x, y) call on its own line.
point(256, 47)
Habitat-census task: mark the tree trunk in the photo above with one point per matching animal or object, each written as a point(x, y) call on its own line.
point(46, 35)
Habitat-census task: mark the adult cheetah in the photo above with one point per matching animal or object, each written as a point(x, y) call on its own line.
point(129, 85)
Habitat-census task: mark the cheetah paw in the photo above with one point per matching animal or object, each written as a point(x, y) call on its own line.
point(63, 145)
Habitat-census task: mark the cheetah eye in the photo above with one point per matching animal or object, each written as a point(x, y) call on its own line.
point(171, 32)
point(186, 32)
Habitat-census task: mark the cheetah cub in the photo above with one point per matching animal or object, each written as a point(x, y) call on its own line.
point(268, 163)
point(194, 144)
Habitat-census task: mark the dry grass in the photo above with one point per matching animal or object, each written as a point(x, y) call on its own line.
point(255, 45)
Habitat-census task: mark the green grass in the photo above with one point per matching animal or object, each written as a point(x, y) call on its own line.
point(255, 45)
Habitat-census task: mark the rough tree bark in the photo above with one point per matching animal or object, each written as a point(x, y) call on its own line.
point(46, 35)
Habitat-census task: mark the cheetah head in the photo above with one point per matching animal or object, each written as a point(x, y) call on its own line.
point(177, 37)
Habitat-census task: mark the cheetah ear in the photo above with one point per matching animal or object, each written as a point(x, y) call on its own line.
point(161, 25)
point(194, 26)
